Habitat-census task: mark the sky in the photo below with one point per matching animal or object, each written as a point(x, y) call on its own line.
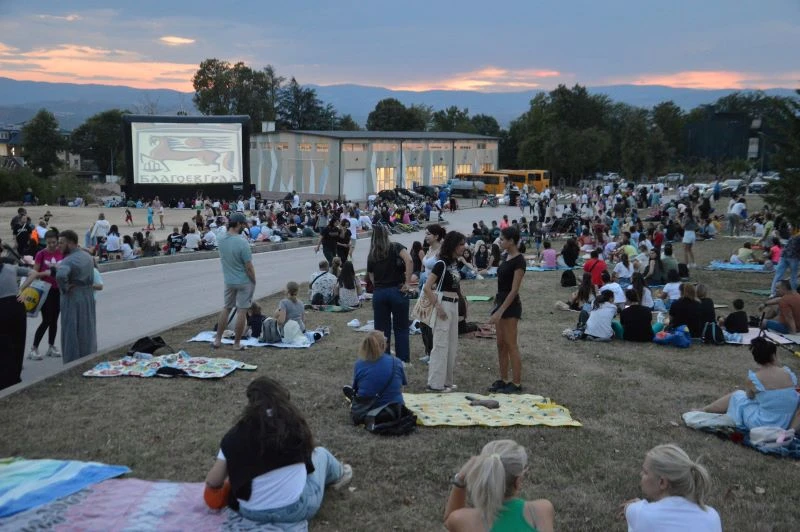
point(482, 45)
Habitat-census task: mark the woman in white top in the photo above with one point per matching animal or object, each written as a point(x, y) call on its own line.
point(192, 240)
point(674, 489)
point(113, 243)
point(127, 248)
point(434, 234)
point(624, 270)
point(598, 325)
point(348, 287)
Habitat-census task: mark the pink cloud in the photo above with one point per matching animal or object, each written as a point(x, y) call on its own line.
point(714, 79)
point(487, 79)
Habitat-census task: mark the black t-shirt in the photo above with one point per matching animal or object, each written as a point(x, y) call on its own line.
point(636, 324)
point(736, 322)
point(505, 272)
point(482, 260)
point(686, 311)
point(176, 240)
point(451, 281)
point(390, 271)
point(330, 237)
point(570, 255)
point(707, 312)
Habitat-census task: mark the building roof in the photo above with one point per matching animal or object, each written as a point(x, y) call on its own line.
point(392, 135)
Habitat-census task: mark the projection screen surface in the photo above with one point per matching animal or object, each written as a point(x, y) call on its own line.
point(186, 153)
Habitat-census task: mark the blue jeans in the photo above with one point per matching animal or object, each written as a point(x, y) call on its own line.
point(780, 270)
point(390, 312)
point(778, 327)
point(327, 470)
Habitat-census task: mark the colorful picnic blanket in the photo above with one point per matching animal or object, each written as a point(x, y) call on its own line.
point(719, 265)
point(479, 298)
point(133, 504)
point(26, 484)
point(147, 365)
point(208, 336)
point(742, 436)
point(453, 409)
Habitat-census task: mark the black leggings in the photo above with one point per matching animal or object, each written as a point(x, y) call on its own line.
point(50, 312)
point(427, 337)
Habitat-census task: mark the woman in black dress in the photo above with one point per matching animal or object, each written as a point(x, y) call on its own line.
point(507, 312)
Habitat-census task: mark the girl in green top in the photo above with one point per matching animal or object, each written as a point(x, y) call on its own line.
point(492, 480)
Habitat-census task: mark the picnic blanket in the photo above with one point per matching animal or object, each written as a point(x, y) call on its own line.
point(26, 484)
point(479, 298)
point(544, 269)
point(746, 338)
point(329, 308)
point(718, 265)
point(741, 436)
point(133, 504)
point(208, 336)
point(757, 291)
point(147, 365)
point(452, 409)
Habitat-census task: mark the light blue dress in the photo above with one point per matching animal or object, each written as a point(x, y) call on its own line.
point(769, 408)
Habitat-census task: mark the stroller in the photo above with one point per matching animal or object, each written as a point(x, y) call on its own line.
point(562, 226)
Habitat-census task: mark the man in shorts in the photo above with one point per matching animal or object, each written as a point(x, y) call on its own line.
point(786, 318)
point(240, 278)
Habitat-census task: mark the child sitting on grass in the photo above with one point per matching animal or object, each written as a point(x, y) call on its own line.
point(255, 320)
point(735, 322)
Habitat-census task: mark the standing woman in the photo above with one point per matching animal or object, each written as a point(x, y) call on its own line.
point(507, 313)
point(689, 238)
point(13, 323)
point(434, 235)
point(46, 259)
point(446, 276)
point(389, 268)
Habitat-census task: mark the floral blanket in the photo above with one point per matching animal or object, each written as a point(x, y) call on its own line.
point(453, 409)
point(133, 504)
point(180, 363)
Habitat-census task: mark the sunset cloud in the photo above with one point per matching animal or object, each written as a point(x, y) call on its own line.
point(715, 79)
point(171, 40)
point(487, 79)
point(60, 18)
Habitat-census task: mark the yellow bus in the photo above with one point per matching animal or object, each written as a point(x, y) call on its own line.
point(537, 180)
point(493, 183)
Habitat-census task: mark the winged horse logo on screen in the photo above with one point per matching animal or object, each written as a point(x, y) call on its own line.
point(205, 150)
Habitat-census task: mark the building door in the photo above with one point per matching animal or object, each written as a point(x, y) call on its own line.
point(355, 185)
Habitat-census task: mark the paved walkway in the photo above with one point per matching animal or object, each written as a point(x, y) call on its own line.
point(146, 300)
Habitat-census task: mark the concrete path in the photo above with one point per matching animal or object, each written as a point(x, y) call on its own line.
point(146, 300)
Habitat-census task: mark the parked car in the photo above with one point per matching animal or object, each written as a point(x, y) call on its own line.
point(758, 186)
point(732, 186)
point(611, 176)
point(771, 176)
point(672, 177)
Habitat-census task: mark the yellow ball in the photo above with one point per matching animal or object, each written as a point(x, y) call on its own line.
point(30, 298)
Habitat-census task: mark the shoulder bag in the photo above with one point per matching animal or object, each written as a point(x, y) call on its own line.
point(361, 406)
point(423, 308)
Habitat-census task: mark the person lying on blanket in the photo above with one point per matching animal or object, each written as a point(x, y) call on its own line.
point(492, 482)
point(674, 488)
point(267, 468)
point(770, 397)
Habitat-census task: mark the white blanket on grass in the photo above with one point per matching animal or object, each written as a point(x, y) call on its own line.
point(746, 338)
point(209, 336)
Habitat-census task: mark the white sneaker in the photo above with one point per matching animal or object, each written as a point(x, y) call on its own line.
point(425, 359)
point(452, 387)
point(33, 354)
point(344, 480)
point(53, 351)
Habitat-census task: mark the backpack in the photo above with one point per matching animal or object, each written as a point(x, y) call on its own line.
point(712, 334)
point(568, 279)
point(149, 345)
point(392, 419)
point(270, 334)
point(683, 271)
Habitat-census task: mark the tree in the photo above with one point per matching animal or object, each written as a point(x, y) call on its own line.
point(346, 123)
point(41, 142)
point(100, 139)
point(783, 194)
point(485, 125)
point(452, 119)
point(634, 152)
point(420, 116)
point(300, 109)
point(225, 89)
point(671, 120)
point(391, 115)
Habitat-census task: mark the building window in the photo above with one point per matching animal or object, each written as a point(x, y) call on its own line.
point(266, 146)
point(414, 146)
point(487, 167)
point(282, 146)
point(481, 146)
point(463, 146)
point(322, 148)
point(304, 147)
point(351, 146)
point(253, 145)
point(439, 147)
point(463, 168)
point(413, 175)
point(439, 174)
point(384, 178)
point(384, 146)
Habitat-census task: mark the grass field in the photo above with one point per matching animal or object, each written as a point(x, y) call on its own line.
point(628, 397)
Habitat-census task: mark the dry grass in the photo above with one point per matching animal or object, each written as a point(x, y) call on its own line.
point(628, 397)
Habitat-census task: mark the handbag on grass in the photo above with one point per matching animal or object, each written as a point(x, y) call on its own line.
point(361, 406)
point(423, 308)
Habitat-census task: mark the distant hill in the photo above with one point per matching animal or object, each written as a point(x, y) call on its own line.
point(73, 103)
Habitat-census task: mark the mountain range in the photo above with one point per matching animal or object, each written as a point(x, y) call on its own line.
point(73, 103)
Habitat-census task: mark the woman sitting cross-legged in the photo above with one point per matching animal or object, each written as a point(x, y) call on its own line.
point(267, 468)
point(598, 321)
point(770, 396)
point(636, 319)
point(674, 487)
point(348, 288)
point(377, 373)
point(582, 298)
point(492, 482)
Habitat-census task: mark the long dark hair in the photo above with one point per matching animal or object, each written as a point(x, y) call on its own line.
point(495, 256)
point(586, 288)
point(451, 241)
point(637, 281)
point(416, 247)
point(272, 422)
point(347, 277)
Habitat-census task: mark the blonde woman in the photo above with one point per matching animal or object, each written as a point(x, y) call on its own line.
point(675, 489)
point(291, 308)
point(492, 482)
point(376, 370)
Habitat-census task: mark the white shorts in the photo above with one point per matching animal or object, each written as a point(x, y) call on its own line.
point(689, 237)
